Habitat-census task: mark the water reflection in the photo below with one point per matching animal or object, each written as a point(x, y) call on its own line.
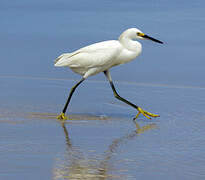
point(76, 166)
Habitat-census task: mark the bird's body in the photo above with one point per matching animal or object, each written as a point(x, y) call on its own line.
point(102, 56)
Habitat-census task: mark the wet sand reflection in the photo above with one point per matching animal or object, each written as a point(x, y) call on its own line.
point(76, 166)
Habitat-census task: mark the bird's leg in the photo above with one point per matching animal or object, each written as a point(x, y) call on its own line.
point(62, 116)
point(140, 110)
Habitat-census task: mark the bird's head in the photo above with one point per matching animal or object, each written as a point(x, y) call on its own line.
point(134, 33)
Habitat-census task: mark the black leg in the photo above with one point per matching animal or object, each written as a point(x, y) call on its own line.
point(140, 110)
point(62, 115)
point(115, 92)
point(70, 95)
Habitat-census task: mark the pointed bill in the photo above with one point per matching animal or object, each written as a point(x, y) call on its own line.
point(150, 38)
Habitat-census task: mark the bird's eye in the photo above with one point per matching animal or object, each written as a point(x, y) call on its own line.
point(140, 34)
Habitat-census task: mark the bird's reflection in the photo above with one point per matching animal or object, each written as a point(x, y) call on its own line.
point(68, 141)
point(76, 166)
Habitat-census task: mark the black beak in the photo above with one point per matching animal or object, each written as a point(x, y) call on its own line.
point(150, 38)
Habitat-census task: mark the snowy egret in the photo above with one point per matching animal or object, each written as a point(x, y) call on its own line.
point(100, 57)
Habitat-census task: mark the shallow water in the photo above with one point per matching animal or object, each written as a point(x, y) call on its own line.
point(34, 33)
point(101, 141)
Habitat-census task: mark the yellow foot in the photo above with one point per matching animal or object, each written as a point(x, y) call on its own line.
point(62, 116)
point(145, 113)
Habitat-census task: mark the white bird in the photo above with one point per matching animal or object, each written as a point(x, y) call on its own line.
point(102, 56)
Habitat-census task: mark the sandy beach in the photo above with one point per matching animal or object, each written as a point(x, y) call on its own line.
point(100, 141)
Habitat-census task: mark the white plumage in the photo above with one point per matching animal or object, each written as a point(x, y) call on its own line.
point(102, 56)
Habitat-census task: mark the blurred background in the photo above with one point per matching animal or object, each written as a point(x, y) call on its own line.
point(34, 33)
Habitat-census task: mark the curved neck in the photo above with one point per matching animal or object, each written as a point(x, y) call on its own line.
point(130, 44)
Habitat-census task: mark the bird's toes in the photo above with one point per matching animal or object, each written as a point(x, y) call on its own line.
point(62, 116)
point(147, 114)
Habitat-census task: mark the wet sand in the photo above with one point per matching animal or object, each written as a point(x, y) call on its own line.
point(100, 141)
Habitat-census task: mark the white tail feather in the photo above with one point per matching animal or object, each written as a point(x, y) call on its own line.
point(62, 60)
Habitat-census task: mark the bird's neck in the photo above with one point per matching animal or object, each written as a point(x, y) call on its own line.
point(130, 44)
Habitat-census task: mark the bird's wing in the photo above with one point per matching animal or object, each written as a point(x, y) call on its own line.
point(95, 55)
point(64, 59)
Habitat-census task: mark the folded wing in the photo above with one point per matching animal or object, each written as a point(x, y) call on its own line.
point(95, 55)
